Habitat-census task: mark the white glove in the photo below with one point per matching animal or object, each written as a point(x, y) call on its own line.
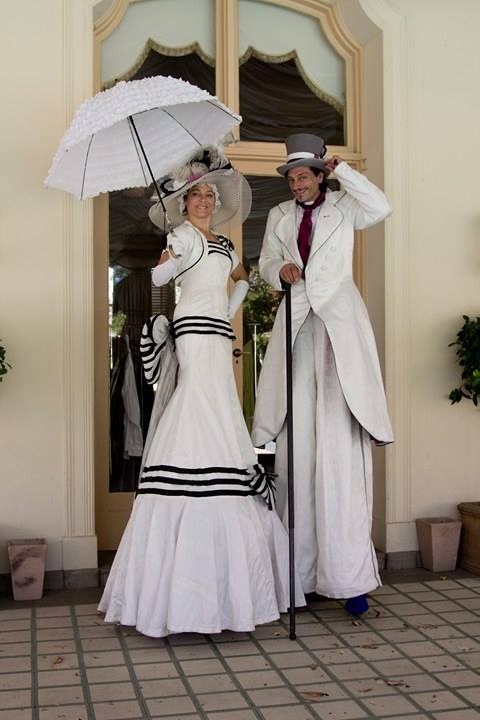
point(164, 272)
point(236, 298)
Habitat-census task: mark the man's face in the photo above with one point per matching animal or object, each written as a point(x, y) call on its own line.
point(304, 184)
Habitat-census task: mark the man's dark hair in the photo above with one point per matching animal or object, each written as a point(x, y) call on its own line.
point(323, 185)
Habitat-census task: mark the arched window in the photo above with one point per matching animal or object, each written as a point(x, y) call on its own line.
point(286, 66)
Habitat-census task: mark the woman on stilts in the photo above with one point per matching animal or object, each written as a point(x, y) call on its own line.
point(202, 551)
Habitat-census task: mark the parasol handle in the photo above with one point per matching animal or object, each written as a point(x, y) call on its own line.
point(134, 128)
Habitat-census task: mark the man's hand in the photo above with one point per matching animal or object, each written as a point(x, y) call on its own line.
point(290, 273)
point(332, 162)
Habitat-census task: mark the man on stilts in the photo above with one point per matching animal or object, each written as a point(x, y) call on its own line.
point(339, 402)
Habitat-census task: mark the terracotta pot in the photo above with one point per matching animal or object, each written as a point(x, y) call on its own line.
point(438, 540)
point(27, 565)
point(470, 544)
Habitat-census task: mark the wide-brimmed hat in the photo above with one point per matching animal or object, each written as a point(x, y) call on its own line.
point(304, 150)
point(210, 167)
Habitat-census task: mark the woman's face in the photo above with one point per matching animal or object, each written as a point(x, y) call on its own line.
point(200, 202)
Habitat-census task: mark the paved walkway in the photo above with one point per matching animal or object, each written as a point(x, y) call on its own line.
point(416, 654)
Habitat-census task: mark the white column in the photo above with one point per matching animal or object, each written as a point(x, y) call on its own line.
point(79, 541)
point(400, 530)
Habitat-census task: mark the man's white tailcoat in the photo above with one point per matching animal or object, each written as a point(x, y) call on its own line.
point(329, 291)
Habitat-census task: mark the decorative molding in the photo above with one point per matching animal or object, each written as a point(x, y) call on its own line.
point(349, 50)
point(107, 23)
point(163, 50)
point(293, 55)
point(259, 158)
point(397, 284)
point(226, 18)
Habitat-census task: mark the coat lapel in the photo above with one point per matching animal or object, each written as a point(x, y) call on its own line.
point(328, 220)
point(285, 231)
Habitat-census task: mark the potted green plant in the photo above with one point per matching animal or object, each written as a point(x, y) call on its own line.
point(4, 365)
point(468, 356)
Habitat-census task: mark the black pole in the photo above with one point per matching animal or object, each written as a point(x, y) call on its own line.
point(290, 464)
point(134, 127)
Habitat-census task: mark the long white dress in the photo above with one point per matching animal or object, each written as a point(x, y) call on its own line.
point(201, 552)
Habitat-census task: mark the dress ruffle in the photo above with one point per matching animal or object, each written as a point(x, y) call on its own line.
point(155, 583)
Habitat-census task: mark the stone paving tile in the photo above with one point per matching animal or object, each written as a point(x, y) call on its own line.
point(14, 625)
point(470, 603)
point(290, 659)
point(103, 659)
point(460, 593)
point(61, 695)
point(459, 678)
point(25, 714)
point(370, 687)
point(96, 644)
point(438, 663)
point(57, 647)
point(205, 667)
point(58, 677)
point(459, 617)
point(155, 670)
point(470, 659)
point(64, 621)
point(15, 649)
point(383, 707)
point(438, 700)
point(404, 634)
point(440, 632)
point(456, 715)
point(118, 710)
point(63, 712)
point(472, 695)
point(14, 681)
point(65, 661)
point(221, 701)
point(378, 652)
point(170, 706)
point(57, 611)
point(108, 692)
point(442, 606)
point(428, 595)
point(163, 688)
point(415, 654)
point(459, 645)
point(388, 668)
point(472, 629)
point(272, 696)
point(218, 683)
point(416, 683)
point(418, 649)
point(15, 636)
point(322, 642)
point(229, 715)
point(322, 693)
point(114, 674)
point(15, 698)
point(292, 712)
point(340, 710)
point(262, 679)
point(353, 671)
point(311, 674)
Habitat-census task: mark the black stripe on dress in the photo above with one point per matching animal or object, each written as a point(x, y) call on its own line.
point(196, 471)
point(206, 493)
point(203, 318)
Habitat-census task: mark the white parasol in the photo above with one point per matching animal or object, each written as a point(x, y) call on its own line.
point(136, 132)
